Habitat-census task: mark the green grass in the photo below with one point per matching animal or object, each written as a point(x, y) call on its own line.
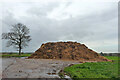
point(15, 55)
point(112, 57)
point(94, 70)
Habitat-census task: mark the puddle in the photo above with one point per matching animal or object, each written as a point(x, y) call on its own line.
point(68, 77)
point(29, 71)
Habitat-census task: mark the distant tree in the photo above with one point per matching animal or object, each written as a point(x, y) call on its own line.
point(18, 37)
point(101, 54)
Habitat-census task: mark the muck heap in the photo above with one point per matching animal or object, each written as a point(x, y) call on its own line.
point(66, 51)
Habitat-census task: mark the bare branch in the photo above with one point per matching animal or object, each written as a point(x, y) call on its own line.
point(18, 36)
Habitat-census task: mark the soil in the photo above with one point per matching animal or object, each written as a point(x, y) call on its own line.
point(66, 51)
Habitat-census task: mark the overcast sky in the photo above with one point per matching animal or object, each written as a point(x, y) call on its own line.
point(94, 24)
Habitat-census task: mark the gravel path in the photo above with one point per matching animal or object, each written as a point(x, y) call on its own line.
point(33, 68)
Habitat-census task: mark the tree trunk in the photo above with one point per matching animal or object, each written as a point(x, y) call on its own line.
point(20, 46)
point(19, 51)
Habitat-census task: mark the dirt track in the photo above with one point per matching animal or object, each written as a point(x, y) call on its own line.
point(33, 68)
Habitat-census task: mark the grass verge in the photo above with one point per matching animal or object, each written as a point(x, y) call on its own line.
point(14, 55)
point(94, 70)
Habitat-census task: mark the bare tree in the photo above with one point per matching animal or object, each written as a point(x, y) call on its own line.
point(18, 37)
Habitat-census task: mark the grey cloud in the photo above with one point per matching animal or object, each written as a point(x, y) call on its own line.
point(42, 10)
point(92, 27)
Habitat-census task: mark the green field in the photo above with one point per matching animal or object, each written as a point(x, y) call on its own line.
point(15, 55)
point(93, 70)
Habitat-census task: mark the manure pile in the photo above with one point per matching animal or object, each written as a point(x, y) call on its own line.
point(66, 51)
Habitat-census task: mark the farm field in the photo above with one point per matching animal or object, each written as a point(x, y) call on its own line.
point(15, 55)
point(94, 70)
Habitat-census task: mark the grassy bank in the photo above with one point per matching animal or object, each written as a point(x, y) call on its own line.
point(14, 55)
point(94, 70)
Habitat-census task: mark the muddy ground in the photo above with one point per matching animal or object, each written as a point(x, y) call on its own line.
point(33, 68)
